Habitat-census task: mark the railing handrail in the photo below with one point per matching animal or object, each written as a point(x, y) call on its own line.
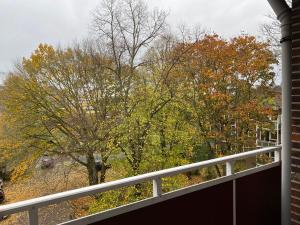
point(33, 204)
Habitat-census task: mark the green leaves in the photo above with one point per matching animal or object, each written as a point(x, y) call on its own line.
point(189, 102)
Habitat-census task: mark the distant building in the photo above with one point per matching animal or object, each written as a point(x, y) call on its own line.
point(270, 136)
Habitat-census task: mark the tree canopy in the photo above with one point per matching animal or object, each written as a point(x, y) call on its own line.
point(137, 91)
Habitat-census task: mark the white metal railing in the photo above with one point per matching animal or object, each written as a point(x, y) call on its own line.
point(32, 205)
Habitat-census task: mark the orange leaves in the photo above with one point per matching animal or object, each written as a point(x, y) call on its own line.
point(213, 52)
point(252, 57)
point(223, 83)
point(243, 56)
point(220, 97)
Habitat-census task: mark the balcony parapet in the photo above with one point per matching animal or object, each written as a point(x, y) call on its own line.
point(32, 205)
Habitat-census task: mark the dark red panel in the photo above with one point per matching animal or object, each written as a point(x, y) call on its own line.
point(258, 203)
point(258, 198)
point(212, 206)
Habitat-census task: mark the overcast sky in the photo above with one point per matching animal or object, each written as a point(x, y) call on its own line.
point(26, 23)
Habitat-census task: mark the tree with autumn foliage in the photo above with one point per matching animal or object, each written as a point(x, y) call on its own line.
point(69, 96)
point(224, 87)
point(18, 125)
point(137, 98)
point(210, 93)
point(140, 92)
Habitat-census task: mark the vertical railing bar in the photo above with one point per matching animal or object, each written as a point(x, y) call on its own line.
point(234, 202)
point(230, 171)
point(157, 187)
point(33, 216)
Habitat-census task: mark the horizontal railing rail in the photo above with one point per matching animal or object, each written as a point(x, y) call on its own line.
point(33, 205)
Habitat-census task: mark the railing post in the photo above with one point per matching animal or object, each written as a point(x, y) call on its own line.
point(157, 187)
point(229, 168)
point(33, 216)
point(277, 155)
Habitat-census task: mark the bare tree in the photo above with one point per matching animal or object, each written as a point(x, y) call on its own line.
point(271, 31)
point(125, 29)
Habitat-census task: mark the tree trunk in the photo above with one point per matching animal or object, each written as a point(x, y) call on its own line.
point(103, 173)
point(136, 171)
point(163, 146)
point(218, 171)
point(92, 170)
point(216, 166)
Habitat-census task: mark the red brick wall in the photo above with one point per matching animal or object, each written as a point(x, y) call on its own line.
point(296, 113)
